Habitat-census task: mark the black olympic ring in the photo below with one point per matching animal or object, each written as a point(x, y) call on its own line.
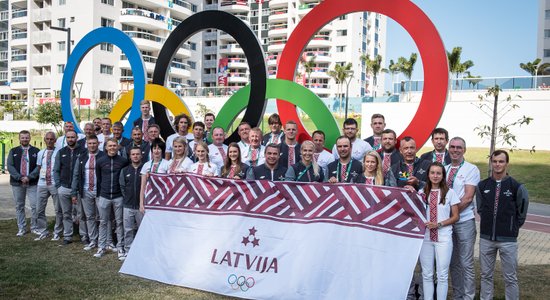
point(253, 52)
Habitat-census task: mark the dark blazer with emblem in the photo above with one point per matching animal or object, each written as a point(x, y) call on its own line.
point(262, 172)
point(355, 173)
point(283, 158)
point(14, 165)
point(266, 139)
point(429, 156)
point(420, 171)
point(242, 174)
point(64, 164)
point(77, 186)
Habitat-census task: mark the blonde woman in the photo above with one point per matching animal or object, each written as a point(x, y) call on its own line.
point(306, 170)
point(372, 166)
point(203, 165)
point(180, 162)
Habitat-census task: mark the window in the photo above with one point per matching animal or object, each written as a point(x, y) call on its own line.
point(344, 17)
point(61, 46)
point(108, 2)
point(60, 69)
point(72, 19)
point(192, 64)
point(342, 32)
point(106, 95)
point(106, 47)
point(546, 52)
point(61, 22)
point(106, 69)
point(546, 33)
point(547, 14)
point(107, 22)
point(193, 46)
point(62, 2)
point(340, 48)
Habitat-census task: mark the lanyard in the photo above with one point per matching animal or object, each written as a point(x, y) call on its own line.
point(338, 169)
point(303, 172)
point(152, 164)
point(456, 173)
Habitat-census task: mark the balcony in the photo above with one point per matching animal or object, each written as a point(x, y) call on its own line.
point(4, 15)
point(180, 69)
point(184, 51)
point(41, 82)
point(277, 31)
point(305, 8)
point(237, 78)
point(237, 63)
point(42, 37)
point(209, 36)
point(210, 50)
point(278, 3)
point(234, 6)
point(19, 82)
point(19, 17)
point(182, 9)
point(42, 15)
point(278, 15)
point(149, 62)
point(19, 38)
point(320, 40)
point(41, 59)
point(144, 18)
point(211, 63)
point(18, 61)
point(231, 49)
point(146, 41)
point(320, 56)
point(224, 36)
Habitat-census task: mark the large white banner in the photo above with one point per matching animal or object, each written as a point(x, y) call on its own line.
point(278, 240)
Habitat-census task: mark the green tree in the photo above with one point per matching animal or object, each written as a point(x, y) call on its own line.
point(473, 81)
point(104, 106)
point(374, 67)
point(13, 107)
point(50, 113)
point(340, 74)
point(202, 110)
point(499, 133)
point(456, 66)
point(393, 69)
point(406, 66)
point(531, 67)
point(309, 66)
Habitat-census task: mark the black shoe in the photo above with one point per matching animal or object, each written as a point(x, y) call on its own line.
point(66, 242)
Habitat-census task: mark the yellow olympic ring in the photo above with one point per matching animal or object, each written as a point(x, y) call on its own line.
point(156, 93)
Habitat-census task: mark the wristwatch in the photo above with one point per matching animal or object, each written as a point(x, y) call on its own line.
point(439, 225)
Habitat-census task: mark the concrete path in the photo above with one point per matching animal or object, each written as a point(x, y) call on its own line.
point(534, 237)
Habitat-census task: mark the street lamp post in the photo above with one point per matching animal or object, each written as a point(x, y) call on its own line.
point(78, 90)
point(68, 31)
point(348, 81)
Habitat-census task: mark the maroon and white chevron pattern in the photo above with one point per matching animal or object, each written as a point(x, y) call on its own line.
point(386, 209)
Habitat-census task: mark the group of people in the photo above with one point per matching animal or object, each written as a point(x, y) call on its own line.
point(102, 176)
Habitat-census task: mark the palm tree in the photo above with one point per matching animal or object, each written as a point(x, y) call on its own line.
point(309, 66)
point(472, 80)
point(406, 66)
point(340, 74)
point(374, 67)
point(393, 68)
point(531, 67)
point(455, 65)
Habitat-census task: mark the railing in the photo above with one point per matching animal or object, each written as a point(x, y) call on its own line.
point(469, 84)
point(4, 15)
point(183, 4)
point(143, 13)
point(19, 13)
point(19, 57)
point(145, 36)
point(234, 2)
point(18, 35)
point(19, 79)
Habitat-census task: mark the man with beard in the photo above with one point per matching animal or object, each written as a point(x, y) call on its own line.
point(410, 171)
point(138, 142)
point(378, 124)
point(65, 162)
point(359, 147)
point(345, 168)
point(440, 138)
point(389, 154)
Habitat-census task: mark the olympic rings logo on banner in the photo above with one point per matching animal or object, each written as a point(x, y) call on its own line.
point(240, 282)
point(253, 96)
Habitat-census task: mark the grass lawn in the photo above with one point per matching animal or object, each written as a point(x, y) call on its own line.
point(45, 270)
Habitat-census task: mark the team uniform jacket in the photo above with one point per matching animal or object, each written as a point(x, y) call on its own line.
point(108, 170)
point(14, 165)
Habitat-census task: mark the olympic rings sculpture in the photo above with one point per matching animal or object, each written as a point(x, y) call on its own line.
point(253, 96)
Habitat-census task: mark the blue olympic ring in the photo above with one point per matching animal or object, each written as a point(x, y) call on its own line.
point(93, 38)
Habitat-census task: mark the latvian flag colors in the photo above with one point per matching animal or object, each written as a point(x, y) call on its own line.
point(278, 240)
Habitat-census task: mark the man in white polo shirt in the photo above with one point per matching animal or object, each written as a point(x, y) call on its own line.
point(217, 150)
point(463, 178)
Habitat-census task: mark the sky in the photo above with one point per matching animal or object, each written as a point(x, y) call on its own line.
point(496, 35)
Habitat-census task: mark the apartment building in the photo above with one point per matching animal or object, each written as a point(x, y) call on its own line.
point(543, 32)
point(341, 41)
point(33, 54)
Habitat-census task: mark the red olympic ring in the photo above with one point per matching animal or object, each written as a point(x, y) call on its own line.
point(417, 24)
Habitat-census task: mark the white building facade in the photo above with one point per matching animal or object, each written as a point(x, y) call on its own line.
point(543, 32)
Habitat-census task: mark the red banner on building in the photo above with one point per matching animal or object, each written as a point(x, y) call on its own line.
point(223, 72)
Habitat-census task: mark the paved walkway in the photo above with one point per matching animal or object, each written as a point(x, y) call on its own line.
point(534, 242)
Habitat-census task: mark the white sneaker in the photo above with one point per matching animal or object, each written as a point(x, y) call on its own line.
point(34, 231)
point(21, 232)
point(100, 253)
point(55, 237)
point(42, 236)
point(121, 253)
point(90, 246)
point(112, 247)
point(122, 258)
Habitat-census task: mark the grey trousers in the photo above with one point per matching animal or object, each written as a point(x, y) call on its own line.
point(462, 261)
point(132, 220)
point(65, 199)
point(20, 193)
point(44, 192)
point(81, 219)
point(104, 207)
point(508, 252)
point(88, 215)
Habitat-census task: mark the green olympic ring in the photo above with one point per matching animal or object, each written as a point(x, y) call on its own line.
point(291, 92)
